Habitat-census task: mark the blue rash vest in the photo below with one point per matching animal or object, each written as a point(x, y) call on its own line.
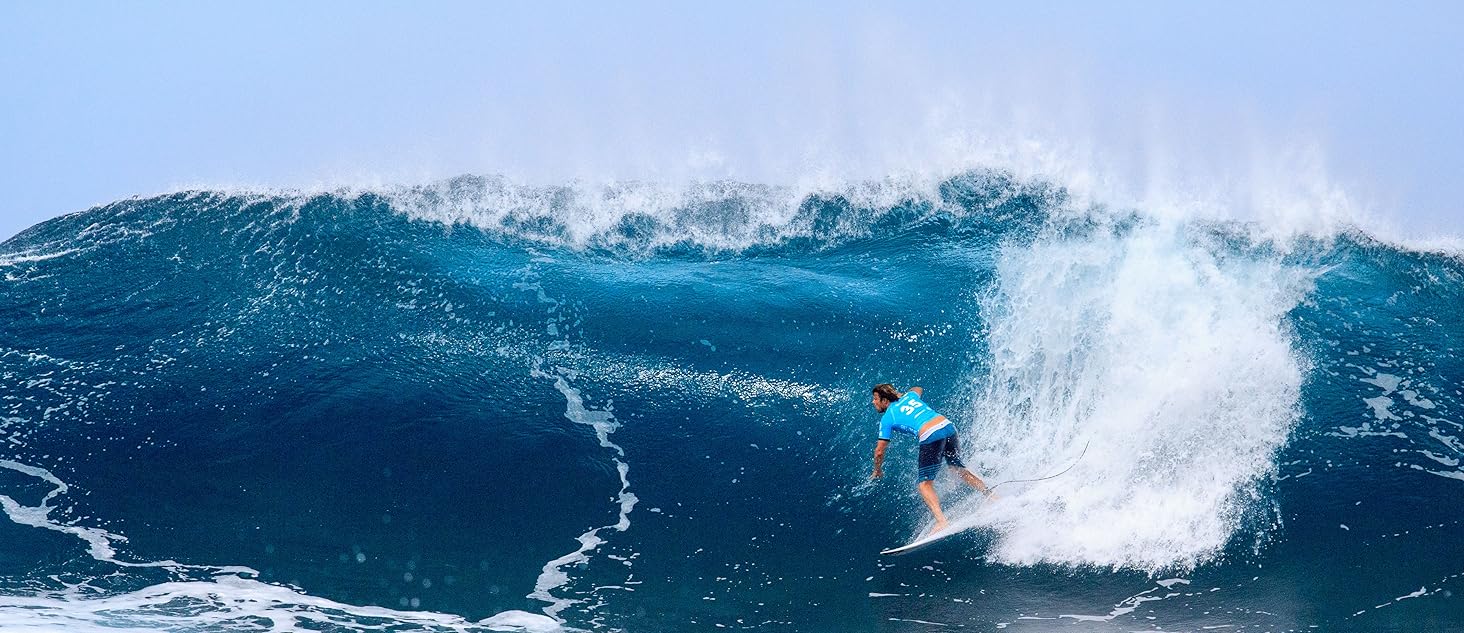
point(910, 415)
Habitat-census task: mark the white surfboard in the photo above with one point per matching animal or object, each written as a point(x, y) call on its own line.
point(920, 542)
point(969, 521)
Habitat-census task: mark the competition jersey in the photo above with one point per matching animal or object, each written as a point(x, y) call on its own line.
point(910, 415)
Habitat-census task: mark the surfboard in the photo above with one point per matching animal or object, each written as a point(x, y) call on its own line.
point(920, 542)
point(960, 524)
point(967, 521)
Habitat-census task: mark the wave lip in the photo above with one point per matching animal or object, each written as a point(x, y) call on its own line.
point(726, 215)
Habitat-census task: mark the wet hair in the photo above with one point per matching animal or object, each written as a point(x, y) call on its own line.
point(887, 391)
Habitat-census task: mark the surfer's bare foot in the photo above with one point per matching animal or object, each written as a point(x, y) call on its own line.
point(939, 525)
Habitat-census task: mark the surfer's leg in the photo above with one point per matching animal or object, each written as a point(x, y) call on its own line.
point(929, 467)
point(972, 480)
point(927, 492)
point(950, 452)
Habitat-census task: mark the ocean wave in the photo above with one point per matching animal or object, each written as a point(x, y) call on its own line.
point(643, 407)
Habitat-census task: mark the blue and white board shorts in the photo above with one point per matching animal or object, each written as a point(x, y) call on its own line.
point(934, 451)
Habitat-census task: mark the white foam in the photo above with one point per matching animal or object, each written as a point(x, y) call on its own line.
point(1171, 361)
point(1380, 407)
point(1388, 382)
point(30, 256)
point(231, 603)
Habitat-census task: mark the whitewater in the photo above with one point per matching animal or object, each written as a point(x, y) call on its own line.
point(484, 405)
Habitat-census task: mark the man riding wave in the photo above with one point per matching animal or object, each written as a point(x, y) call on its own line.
point(908, 414)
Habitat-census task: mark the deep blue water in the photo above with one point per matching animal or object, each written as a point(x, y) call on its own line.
point(439, 407)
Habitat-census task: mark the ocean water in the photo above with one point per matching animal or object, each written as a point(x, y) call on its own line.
point(477, 405)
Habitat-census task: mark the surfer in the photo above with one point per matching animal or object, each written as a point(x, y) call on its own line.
point(907, 413)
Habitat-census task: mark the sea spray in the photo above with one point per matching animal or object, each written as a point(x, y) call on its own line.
point(1165, 353)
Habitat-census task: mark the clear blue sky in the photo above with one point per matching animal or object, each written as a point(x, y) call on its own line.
point(106, 100)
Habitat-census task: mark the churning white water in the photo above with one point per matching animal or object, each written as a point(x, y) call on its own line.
point(1168, 360)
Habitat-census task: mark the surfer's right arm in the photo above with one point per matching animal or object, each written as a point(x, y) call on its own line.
point(879, 452)
point(919, 391)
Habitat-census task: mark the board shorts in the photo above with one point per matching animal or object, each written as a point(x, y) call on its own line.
point(931, 454)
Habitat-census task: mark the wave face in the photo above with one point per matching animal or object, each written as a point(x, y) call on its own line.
point(482, 406)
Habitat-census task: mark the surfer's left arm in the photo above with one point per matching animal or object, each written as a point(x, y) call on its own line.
point(919, 391)
point(879, 453)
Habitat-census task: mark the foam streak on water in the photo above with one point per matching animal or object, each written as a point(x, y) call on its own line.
point(99, 542)
point(603, 422)
point(231, 603)
point(227, 601)
point(553, 577)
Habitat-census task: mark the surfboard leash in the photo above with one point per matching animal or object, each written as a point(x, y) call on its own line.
point(1064, 471)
